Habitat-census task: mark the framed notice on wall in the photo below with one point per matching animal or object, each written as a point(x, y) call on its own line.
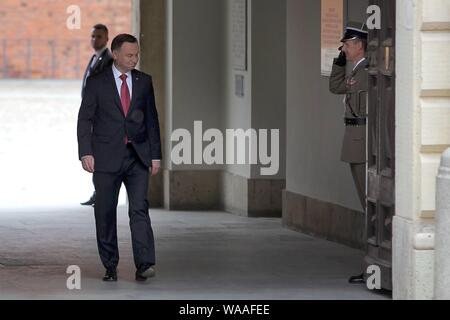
point(239, 34)
point(332, 28)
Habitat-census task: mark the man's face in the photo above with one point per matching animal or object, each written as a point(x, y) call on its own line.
point(127, 57)
point(353, 49)
point(99, 39)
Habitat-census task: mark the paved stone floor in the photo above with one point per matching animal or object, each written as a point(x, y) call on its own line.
point(200, 255)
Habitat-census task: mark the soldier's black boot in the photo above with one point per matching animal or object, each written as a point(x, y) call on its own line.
point(90, 202)
point(357, 279)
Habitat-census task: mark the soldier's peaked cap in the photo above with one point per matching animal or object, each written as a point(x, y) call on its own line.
point(355, 30)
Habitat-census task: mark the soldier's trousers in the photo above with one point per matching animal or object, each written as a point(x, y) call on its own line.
point(359, 177)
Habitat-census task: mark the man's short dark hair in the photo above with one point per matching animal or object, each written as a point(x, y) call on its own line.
point(101, 27)
point(121, 39)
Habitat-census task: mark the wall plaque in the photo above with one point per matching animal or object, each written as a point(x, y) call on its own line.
point(239, 34)
point(332, 21)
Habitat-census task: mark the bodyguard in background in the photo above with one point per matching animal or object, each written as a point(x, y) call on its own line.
point(354, 86)
point(101, 59)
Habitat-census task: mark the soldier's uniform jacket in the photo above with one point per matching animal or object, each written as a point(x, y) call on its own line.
point(354, 87)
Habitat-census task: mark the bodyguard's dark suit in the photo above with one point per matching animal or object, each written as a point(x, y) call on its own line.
point(102, 128)
point(104, 61)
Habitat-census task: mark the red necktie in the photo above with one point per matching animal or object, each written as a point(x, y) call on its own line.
point(125, 98)
point(125, 94)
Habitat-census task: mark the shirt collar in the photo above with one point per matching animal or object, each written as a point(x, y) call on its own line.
point(117, 73)
point(358, 63)
point(100, 52)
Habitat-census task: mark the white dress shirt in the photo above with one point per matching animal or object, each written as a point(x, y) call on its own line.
point(117, 75)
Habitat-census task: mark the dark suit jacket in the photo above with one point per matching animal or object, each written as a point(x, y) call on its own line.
point(102, 125)
point(105, 60)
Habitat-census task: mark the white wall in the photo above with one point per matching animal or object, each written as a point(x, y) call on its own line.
point(236, 111)
point(201, 77)
point(194, 68)
point(423, 117)
point(269, 74)
point(314, 116)
point(264, 103)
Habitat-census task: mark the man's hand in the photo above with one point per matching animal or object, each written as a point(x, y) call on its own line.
point(341, 60)
point(156, 166)
point(88, 163)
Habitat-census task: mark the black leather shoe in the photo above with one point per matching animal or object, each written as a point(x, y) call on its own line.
point(110, 276)
point(357, 279)
point(90, 202)
point(143, 276)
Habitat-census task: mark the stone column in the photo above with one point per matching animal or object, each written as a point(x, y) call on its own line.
point(422, 118)
point(149, 25)
point(442, 245)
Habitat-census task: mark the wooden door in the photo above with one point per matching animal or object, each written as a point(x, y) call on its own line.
point(381, 143)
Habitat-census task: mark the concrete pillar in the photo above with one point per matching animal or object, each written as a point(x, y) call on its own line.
point(422, 122)
point(136, 17)
point(442, 246)
point(149, 24)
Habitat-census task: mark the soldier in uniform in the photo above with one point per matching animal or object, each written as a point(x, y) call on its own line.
point(354, 86)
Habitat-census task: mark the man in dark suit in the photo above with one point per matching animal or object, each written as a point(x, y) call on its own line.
point(101, 59)
point(119, 141)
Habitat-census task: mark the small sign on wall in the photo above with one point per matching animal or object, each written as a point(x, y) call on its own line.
point(239, 86)
point(332, 22)
point(239, 34)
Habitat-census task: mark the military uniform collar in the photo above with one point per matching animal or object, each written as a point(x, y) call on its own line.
point(358, 63)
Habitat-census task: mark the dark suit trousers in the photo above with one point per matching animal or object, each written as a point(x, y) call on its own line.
point(359, 178)
point(135, 176)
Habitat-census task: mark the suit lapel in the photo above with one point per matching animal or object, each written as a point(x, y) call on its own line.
point(113, 85)
point(135, 89)
point(87, 70)
point(97, 64)
point(99, 61)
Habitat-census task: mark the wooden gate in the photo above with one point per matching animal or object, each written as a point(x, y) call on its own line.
point(381, 143)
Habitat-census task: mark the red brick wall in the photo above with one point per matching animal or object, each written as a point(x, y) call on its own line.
point(36, 43)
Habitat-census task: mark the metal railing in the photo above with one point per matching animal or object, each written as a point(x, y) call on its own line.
point(42, 58)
